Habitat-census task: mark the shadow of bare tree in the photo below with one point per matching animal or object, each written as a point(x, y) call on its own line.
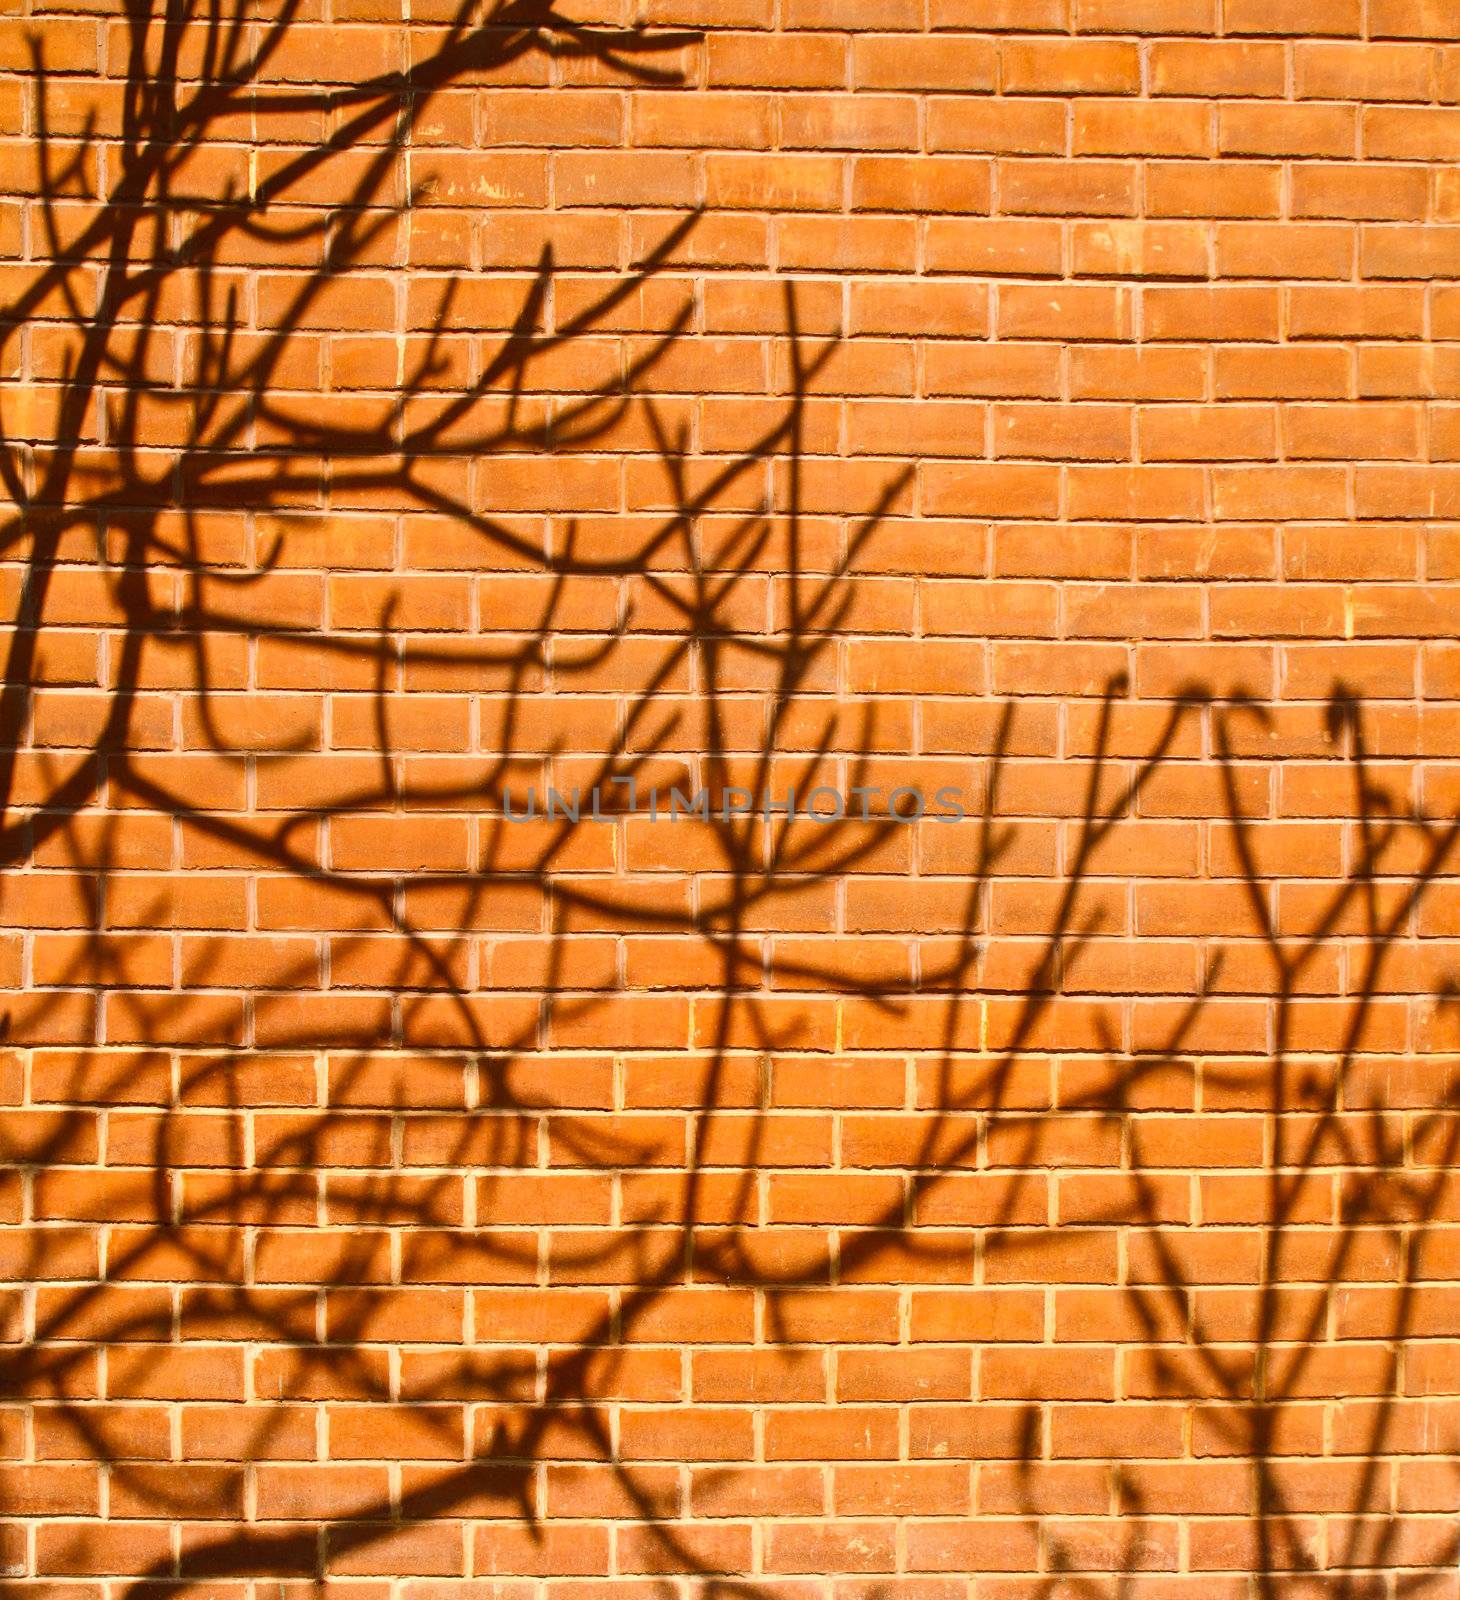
point(404, 1188)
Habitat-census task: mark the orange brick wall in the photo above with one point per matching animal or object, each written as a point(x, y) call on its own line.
point(1052, 401)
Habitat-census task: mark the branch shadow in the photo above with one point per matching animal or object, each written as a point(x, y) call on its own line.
point(463, 1121)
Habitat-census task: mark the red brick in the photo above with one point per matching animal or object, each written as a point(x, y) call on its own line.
point(923, 65)
point(1075, 66)
point(921, 183)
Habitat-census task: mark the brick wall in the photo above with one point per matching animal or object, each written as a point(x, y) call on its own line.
point(1049, 401)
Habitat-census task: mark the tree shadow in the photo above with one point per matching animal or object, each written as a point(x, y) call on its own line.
point(545, 1150)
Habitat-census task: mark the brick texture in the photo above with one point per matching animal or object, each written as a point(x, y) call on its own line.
point(1056, 402)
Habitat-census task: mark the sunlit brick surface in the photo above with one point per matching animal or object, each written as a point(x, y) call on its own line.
point(1051, 402)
